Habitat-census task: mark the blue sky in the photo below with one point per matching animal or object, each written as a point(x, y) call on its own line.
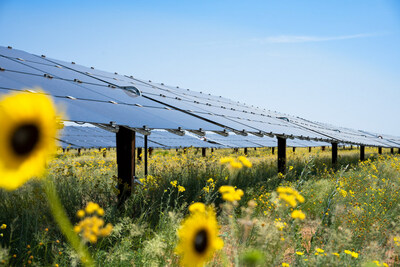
point(330, 61)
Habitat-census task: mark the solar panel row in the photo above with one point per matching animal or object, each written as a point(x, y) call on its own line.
point(93, 137)
point(103, 98)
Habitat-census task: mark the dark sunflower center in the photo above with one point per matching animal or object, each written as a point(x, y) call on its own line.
point(201, 241)
point(24, 139)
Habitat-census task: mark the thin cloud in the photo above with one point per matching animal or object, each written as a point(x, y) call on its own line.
point(286, 39)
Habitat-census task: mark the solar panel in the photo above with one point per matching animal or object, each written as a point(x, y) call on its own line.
point(93, 137)
point(89, 100)
point(238, 117)
point(305, 143)
point(230, 118)
point(234, 140)
point(339, 133)
point(95, 96)
point(389, 140)
point(174, 141)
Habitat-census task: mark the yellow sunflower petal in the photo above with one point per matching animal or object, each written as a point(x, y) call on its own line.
point(198, 238)
point(29, 123)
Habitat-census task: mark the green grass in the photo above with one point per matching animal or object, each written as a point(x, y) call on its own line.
point(352, 207)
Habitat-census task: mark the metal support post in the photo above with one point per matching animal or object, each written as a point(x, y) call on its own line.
point(145, 156)
point(281, 155)
point(126, 162)
point(334, 153)
point(362, 153)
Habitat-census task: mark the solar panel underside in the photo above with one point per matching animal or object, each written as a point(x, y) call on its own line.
point(93, 137)
point(175, 141)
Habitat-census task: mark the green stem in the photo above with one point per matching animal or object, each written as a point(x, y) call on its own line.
point(64, 223)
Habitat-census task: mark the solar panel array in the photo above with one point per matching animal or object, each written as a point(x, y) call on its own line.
point(109, 99)
point(79, 136)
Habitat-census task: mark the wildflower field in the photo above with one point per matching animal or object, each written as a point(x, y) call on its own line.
point(226, 209)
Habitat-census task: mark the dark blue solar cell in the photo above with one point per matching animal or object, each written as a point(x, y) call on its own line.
point(19, 54)
point(99, 75)
point(55, 87)
point(134, 116)
point(106, 111)
point(15, 65)
point(63, 73)
point(204, 111)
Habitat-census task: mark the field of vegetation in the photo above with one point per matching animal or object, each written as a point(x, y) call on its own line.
point(315, 215)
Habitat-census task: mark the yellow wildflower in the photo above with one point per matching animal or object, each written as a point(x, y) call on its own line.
point(3, 226)
point(298, 214)
point(91, 207)
point(181, 188)
point(80, 213)
point(290, 199)
point(236, 165)
point(226, 160)
point(197, 207)
point(233, 163)
point(343, 192)
point(92, 227)
point(245, 161)
point(226, 189)
point(100, 211)
point(230, 194)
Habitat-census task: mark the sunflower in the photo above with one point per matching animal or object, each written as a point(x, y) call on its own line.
point(29, 124)
point(198, 238)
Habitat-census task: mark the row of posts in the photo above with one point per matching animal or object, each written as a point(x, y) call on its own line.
point(126, 156)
